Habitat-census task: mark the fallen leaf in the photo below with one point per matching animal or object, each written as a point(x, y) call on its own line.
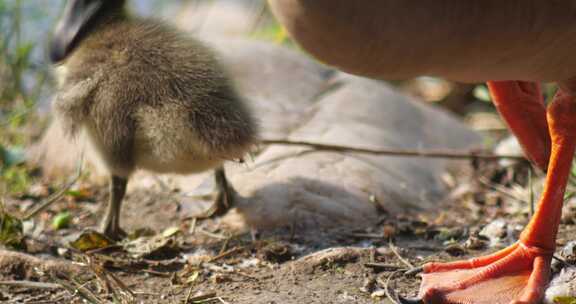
point(168, 232)
point(157, 247)
point(61, 220)
point(80, 194)
point(193, 277)
point(11, 232)
point(565, 300)
point(141, 232)
point(90, 240)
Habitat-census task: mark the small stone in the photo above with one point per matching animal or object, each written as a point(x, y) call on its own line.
point(219, 278)
point(378, 293)
point(476, 243)
point(62, 251)
point(563, 287)
point(569, 253)
point(198, 257)
point(369, 285)
point(449, 234)
point(508, 146)
point(495, 231)
point(455, 250)
point(569, 212)
point(276, 252)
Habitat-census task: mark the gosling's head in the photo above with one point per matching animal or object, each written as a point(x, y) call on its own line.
point(79, 18)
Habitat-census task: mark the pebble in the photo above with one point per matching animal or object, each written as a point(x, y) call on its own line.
point(495, 231)
point(562, 287)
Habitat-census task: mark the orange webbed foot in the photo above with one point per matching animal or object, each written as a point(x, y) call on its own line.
point(521, 272)
point(517, 274)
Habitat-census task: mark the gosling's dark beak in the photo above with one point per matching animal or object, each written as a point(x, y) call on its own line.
point(77, 15)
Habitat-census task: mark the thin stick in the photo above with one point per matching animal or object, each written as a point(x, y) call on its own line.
point(561, 260)
point(404, 261)
point(225, 254)
point(395, 152)
point(212, 235)
point(193, 226)
point(79, 291)
point(222, 300)
point(501, 190)
point(58, 194)
point(531, 185)
point(84, 287)
point(386, 285)
point(387, 288)
point(31, 284)
point(211, 300)
point(121, 284)
point(205, 297)
point(383, 267)
point(188, 295)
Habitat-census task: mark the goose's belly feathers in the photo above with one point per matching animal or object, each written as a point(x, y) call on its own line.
point(457, 39)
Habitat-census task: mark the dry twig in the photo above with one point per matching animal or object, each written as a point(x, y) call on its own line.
point(386, 285)
point(58, 194)
point(31, 284)
point(203, 298)
point(531, 189)
point(107, 278)
point(501, 189)
point(397, 254)
point(212, 235)
point(80, 291)
point(188, 295)
point(225, 254)
point(383, 267)
point(430, 153)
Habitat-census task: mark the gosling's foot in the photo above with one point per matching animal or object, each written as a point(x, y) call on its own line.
point(113, 232)
point(225, 197)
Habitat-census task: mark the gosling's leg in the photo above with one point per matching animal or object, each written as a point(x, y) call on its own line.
point(224, 198)
point(110, 224)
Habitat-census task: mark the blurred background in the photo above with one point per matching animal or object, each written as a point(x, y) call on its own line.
point(26, 83)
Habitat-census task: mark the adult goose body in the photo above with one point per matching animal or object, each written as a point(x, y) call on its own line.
point(466, 41)
point(514, 46)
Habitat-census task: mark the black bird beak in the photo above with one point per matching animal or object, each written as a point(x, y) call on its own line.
point(77, 15)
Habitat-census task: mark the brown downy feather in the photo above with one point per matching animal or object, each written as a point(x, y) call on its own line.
point(149, 96)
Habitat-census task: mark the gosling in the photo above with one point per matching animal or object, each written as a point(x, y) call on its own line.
point(147, 97)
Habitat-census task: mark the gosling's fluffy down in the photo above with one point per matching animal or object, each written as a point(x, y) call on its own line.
point(150, 97)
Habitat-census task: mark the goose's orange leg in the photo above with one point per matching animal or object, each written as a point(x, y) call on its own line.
point(519, 273)
point(521, 105)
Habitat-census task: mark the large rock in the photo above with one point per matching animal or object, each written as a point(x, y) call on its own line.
point(297, 99)
point(280, 83)
point(292, 184)
point(229, 18)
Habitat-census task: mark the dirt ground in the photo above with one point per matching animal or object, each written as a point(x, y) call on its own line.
point(187, 261)
point(169, 257)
